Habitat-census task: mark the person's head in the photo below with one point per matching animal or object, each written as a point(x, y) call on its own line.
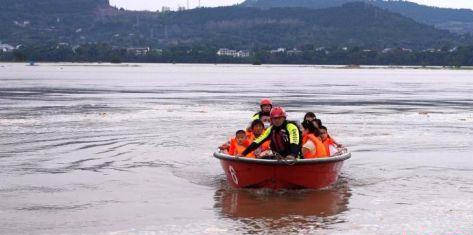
point(310, 116)
point(323, 133)
point(308, 127)
point(266, 105)
point(240, 136)
point(278, 116)
point(257, 127)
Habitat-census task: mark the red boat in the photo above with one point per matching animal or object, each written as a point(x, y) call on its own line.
point(316, 173)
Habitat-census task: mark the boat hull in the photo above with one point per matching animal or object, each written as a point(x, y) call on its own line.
point(273, 174)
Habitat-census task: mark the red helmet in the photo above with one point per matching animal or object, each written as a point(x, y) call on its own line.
point(266, 102)
point(277, 112)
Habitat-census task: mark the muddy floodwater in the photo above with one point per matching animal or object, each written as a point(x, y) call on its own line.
point(127, 149)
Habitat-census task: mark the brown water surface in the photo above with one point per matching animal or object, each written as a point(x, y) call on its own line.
point(127, 149)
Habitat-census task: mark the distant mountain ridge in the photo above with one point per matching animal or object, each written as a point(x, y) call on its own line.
point(53, 6)
point(87, 21)
point(455, 20)
point(36, 21)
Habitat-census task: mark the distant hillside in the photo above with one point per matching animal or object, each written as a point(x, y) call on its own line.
point(27, 21)
point(36, 7)
point(351, 24)
point(456, 20)
point(84, 21)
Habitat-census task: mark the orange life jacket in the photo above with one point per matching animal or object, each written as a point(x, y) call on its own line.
point(327, 142)
point(236, 148)
point(265, 146)
point(250, 136)
point(320, 150)
point(249, 139)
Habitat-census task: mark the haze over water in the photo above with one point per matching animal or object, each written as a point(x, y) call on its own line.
point(127, 149)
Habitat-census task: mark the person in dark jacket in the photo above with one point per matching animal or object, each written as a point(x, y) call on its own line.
point(266, 105)
point(285, 136)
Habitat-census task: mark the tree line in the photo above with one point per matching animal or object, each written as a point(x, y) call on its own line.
point(102, 52)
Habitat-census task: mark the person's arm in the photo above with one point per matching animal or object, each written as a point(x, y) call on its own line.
point(335, 142)
point(294, 139)
point(225, 146)
point(257, 142)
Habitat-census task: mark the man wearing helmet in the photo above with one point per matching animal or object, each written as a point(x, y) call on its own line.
point(285, 136)
point(263, 115)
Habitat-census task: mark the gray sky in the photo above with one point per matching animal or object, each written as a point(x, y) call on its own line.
point(157, 4)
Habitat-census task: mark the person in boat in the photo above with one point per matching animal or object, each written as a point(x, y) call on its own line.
point(330, 145)
point(310, 116)
point(312, 146)
point(285, 136)
point(257, 129)
point(240, 144)
point(264, 115)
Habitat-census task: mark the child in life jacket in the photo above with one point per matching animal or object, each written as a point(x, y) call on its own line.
point(254, 131)
point(239, 144)
point(312, 146)
point(226, 146)
point(257, 128)
point(331, 146)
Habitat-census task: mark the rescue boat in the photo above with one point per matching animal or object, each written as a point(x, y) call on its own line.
point(318, 173)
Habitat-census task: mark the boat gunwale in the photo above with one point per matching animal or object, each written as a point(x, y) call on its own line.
point(338, 158)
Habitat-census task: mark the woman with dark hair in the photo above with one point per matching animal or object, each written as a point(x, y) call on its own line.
point(312, 146)
point(310, 116)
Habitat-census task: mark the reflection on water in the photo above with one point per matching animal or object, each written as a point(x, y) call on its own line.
point(291, 210)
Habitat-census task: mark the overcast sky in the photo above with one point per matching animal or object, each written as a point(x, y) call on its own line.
point(157, 4)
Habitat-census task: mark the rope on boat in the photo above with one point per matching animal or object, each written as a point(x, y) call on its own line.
point(285, 160)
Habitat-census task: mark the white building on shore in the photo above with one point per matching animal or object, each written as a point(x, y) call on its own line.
point(279, 50)
point(6, 48)
point(294, 52)
point(138, 50)
point(233, 53)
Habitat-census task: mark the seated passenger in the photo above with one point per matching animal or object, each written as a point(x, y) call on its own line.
point(257, 128)
point(312, 146)
point(239, 144)
point(253, 131)
point(331, 146)
point(310, 116)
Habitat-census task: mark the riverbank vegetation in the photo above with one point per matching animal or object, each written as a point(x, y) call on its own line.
point(101, 52)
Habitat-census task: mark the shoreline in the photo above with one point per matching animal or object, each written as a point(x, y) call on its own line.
point(352, 67)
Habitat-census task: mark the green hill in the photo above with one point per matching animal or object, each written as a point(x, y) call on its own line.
point(40, 7)
point(85, 21)
point(455, 20)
